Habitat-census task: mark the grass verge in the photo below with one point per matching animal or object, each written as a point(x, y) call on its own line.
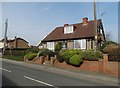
point(17, 58)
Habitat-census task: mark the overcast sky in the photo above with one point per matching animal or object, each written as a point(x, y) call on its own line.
point(34, 20)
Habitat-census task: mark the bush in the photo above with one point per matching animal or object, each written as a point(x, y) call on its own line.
point(58, 47)
point(60, 59)
point(106, 44)
point(113, 52)
point(65, 55)
point(91, 55)
point(45, 52)
point(32, 50)
point(30, 56)
point(76, 60)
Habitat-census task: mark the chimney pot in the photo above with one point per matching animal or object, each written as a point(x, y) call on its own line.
point(85, 20)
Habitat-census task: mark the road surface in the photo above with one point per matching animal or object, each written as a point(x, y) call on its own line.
point(23, 74)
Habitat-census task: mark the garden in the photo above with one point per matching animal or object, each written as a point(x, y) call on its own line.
point(74, 57)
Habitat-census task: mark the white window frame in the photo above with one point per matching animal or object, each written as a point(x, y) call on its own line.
point(68, 29)
point(82, 45)
point(50, 45)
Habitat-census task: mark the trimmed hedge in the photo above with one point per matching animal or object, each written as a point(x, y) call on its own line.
point(91, 55)
point(30, 56)
point(76, 60)
point(65, 55)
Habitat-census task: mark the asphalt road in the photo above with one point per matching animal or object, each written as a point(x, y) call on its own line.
point(22, 74)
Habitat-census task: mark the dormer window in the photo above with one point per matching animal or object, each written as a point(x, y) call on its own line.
point(68, 29)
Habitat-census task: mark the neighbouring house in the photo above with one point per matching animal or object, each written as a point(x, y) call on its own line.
point(16, 43)
point(75, 36)
point(1, 45)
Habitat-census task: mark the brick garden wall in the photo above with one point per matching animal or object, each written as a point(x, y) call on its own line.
point(109, 67)
point(105, 66)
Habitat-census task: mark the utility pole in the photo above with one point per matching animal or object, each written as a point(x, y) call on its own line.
point(95, 26)
point(5, 35)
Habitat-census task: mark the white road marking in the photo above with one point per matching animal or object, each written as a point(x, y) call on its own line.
point(5, 70)
point(40, 82)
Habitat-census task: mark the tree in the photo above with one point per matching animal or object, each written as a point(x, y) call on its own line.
point(108, 36)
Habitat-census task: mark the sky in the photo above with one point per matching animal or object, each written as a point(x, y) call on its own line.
point(34, 20)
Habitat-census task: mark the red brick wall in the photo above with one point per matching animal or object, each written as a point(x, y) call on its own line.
point(110, 68)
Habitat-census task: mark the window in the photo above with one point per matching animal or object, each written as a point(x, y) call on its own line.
point(64, 45)
point(80, 44)
point(68, 29)
point(50, 45)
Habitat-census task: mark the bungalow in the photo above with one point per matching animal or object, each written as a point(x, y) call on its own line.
point(75, 36)
point(16, 43)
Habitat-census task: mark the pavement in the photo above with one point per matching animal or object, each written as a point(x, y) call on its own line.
point(74, 76)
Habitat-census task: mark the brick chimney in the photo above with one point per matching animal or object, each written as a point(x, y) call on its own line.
point(85, 21)
point(15, 43)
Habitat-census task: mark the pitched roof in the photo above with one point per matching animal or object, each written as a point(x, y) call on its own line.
point(13, 40)
point(80, 32)
point(18, 39)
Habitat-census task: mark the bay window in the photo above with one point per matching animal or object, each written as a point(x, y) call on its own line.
point(50, 45)
point(80, 44)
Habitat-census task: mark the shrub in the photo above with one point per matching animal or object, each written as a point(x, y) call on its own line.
point(30, 56)
point(45, 52)
point(65, 55)
point(106, 44)
point(113, 52)
point(76, 60)
point(60, 59)
point(32, 50)
point(91, 55)
point(58, 47)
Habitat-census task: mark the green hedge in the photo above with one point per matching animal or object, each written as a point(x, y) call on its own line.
point(91, 55)
point(45, 52)
point(15, 52)
point(33, 50)
point(30, 56)
point(67, 54)
point(76, 60)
